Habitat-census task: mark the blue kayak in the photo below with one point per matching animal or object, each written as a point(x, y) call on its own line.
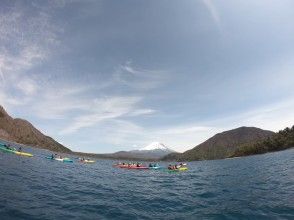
point(155, 168)
point(65, 160)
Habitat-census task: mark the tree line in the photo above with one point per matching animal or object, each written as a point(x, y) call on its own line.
point(279, 141)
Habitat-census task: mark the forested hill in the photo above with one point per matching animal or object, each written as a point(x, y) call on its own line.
point(222, 145)
point(282, 140)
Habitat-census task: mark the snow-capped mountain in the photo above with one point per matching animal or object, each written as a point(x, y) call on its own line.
point(155, 150)
point(156, 146)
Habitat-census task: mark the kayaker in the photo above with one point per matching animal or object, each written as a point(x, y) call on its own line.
point(7, 146)
point(52, 156)
point(150, 165)
point(19, 149)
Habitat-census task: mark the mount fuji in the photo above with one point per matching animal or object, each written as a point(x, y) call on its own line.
point(155, 150)
point(156, 146)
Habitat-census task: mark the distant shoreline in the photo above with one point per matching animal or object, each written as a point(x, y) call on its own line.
point(109, 157)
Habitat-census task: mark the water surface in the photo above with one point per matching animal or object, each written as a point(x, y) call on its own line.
point(256, 187)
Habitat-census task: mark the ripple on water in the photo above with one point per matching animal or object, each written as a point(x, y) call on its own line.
point(259, 187)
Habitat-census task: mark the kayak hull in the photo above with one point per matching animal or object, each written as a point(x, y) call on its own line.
point(88, 161)
point(121, 166)
point(134, 167)
point(138, 168)
point(155, 168)
point(179, 169)
point(4, 149)
point(65, 160)
point(23, 154)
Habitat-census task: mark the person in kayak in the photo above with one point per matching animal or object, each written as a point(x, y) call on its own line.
point(183, 164)
point(19, 149)
point(7, 146)
point(172, 167)
point(52, 156)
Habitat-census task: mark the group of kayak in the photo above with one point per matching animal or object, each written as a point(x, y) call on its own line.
point(155, 166)
point(139, 166)
point(8, 149)
point(68, 160)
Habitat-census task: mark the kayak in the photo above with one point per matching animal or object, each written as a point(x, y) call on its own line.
point(66, 160)
point(15, 152)
point(23, 154)
point(6, 150)
point(155, 168)
point(130, 166)
point(121, 165)
point(179, 169)
point(138, 168)
point(87, 161)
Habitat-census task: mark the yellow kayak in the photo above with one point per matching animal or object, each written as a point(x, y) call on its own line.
point(179, 169)
point(183, 168)
point(23, 154)
point(10, 150)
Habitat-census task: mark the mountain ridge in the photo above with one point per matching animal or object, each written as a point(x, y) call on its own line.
point(23, 132)
point(222, 145)
point(240, 141)
point(281, 140)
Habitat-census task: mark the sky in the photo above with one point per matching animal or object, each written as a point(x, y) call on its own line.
point(104, 76)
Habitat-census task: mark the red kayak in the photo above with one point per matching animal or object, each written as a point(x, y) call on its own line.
point(138, 168)
point(121, 165)
point(130, 166)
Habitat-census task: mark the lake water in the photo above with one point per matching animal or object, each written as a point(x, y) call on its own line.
point(256, 187)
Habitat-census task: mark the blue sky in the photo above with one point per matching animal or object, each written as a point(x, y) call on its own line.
point(103, 76)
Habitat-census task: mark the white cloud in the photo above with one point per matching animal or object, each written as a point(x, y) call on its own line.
point(273, 117)
point(129, 135)
point(140, 112)
point(213, 12)
point(140, 79)
point(186, 129)
point(26, 41)
point(27, 86)
point(56, 102)
point(105, 109)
